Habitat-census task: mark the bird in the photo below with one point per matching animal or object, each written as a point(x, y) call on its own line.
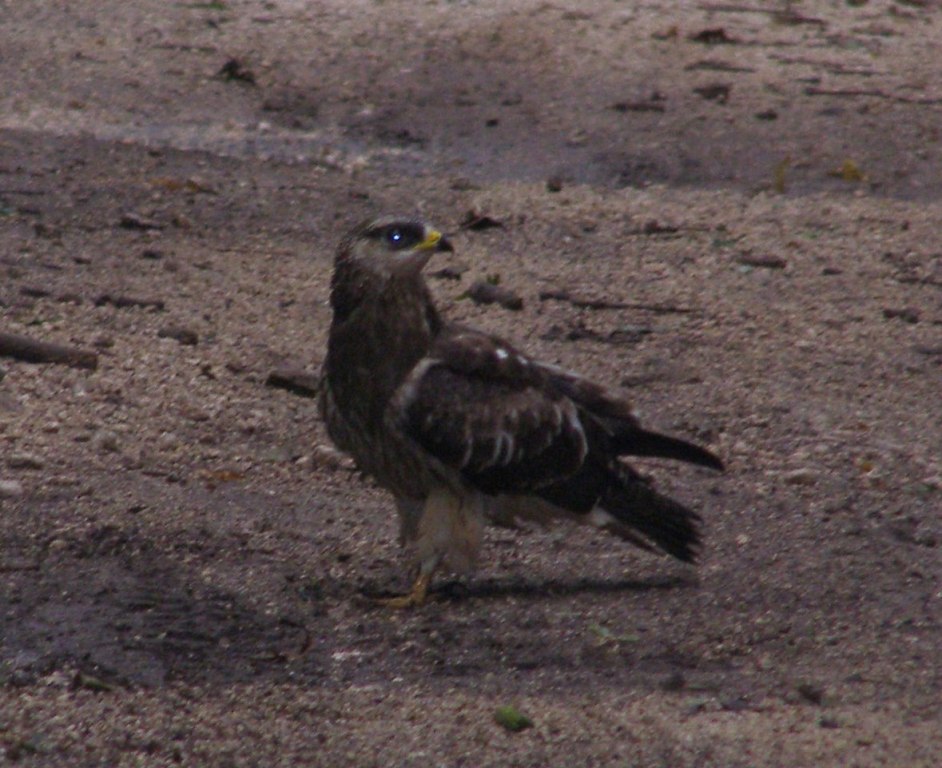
point(463, 428)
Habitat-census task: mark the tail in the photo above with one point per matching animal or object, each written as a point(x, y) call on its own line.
point(632, 509)
point(636, 441)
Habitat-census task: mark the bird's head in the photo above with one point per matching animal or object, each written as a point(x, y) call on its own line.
point(392, 246)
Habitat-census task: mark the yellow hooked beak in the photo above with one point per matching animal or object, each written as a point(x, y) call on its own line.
point(434, 241)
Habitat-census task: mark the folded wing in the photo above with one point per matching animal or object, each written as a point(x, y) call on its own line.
point(480, 407)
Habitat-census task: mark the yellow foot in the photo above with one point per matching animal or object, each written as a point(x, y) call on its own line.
point(416, 595)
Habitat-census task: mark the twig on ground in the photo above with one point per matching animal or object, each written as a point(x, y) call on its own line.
point(35, 351)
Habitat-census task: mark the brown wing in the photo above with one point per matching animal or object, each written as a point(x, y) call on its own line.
point(624, 435)
point(479, 406)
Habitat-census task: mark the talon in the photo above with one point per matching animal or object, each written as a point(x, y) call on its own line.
point(415, 597)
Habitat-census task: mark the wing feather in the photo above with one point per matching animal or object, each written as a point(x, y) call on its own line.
point(478, 406)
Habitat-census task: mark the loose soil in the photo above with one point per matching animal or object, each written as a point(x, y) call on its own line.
point(742, 205)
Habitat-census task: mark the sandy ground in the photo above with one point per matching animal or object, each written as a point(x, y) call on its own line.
point(184, 559)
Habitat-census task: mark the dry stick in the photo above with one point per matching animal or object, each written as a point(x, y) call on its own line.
point(853, 92)
point(19, 566)
point(34, 351)
point(586, 303)
point(121, 302)
point(295, 380)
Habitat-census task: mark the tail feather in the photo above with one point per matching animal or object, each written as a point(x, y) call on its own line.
point(640, 442)
point(613, 496)
point(668, 525)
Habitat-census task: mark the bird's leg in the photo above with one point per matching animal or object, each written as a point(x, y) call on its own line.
point(433, 527)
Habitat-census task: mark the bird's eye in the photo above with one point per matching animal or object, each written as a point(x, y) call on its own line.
point(401, 236)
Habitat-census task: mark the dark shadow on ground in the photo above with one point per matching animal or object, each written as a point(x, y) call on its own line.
point(460, 591)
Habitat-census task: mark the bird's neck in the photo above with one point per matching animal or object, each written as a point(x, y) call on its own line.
point(380, 330)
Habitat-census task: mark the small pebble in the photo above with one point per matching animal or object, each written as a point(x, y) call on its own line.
point(105, 441)
point(185, 336)
point(906, 314)
point(328, 458)
point(168, 441)
point(813, 694)
point(803, 476)
point(131, 220)
point(483, 292)
point(10, 489)
point(24, 461)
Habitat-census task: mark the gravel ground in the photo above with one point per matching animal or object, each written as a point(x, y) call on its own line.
point(736, 209)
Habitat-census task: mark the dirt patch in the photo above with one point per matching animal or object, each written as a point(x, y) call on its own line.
point(184, 558)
